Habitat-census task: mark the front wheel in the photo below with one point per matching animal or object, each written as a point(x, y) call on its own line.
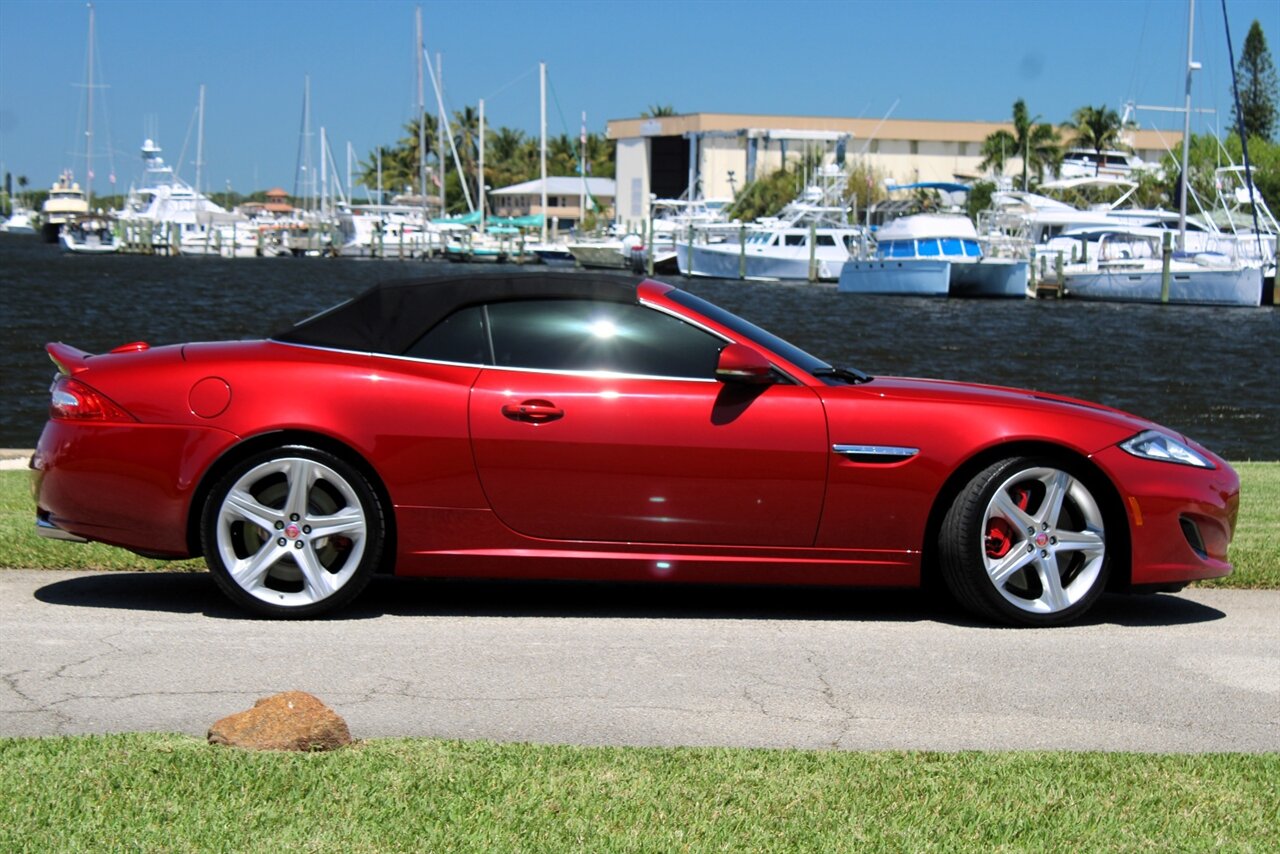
point(1025, 543)
point(292, 532)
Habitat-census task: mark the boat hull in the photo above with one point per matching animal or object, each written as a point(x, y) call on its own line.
point(936, 278)
point(725, 261)
point(1242, 287)
point(602, 257)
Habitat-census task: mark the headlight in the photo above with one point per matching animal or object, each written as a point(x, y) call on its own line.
point(1154, 445)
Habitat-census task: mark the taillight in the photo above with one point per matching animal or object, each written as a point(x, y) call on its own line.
point(72, 400)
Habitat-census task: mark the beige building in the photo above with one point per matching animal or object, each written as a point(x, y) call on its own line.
point(720, 152)
point(564, 199)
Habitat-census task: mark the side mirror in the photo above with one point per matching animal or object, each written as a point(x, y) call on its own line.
point(741, 364)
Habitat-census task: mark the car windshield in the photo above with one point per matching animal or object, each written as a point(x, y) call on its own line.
point(755, 334)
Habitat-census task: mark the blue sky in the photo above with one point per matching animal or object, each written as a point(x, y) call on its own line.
point(958, 60)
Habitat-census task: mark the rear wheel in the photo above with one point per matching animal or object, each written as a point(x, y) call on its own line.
point(292, 532)
point(1025, 543)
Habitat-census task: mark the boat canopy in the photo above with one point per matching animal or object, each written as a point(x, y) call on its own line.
point(943, 186)
point(473, 218)
point(531, 221)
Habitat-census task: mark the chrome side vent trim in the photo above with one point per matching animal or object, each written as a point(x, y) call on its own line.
point(881, 454)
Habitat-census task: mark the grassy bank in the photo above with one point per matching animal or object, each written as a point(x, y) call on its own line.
point(168, 792)
point(1255, 551)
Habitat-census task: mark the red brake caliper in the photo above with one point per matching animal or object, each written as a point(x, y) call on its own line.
point(999, 537)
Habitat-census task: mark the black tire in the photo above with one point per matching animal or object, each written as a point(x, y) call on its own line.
point(292, 532)
point(1009, 555)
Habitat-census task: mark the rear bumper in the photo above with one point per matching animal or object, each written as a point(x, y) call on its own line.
point(128, 485)
point(50, 531)
point(1181, 519)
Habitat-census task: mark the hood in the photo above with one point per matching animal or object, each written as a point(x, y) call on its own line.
point(1010, 413)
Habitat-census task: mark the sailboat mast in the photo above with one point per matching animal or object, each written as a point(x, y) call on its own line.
point(1192, 65)
point(442, 128)
point(582, 167)
point(422, 122)
point(542, 149)
point(200, 141)
point(88, 145)
point(480, 176)
point(324, 172)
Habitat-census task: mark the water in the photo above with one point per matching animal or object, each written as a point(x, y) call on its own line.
point(1207, 372)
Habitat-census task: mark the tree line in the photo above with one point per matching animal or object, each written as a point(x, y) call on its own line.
point(510, 157)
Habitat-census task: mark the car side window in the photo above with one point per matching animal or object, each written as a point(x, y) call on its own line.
point(460, 337)
point(581, 335)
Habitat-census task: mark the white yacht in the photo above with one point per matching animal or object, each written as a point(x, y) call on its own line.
point(386, 231)
point(1087, 163)
point(21, 221)
point(810, 239)
point(933, 254)
point(66, 200)
point(177, 219)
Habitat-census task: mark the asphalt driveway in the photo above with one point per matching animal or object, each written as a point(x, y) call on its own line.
point(633, 665)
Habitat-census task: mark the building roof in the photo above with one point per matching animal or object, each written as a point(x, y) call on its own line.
point(922, 130)
point(561, 186)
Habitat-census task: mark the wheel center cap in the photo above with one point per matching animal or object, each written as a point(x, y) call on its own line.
point(292, 532)
point(1042, 539)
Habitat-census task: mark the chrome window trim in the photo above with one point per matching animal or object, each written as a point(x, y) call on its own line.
point(479, 367)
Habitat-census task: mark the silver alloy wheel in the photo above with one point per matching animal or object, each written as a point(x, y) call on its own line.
point(291, 531)
point(1044, 541)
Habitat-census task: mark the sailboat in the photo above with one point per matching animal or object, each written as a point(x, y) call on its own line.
point(1134, 265)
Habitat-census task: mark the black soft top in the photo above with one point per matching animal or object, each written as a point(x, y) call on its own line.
point(390, 317)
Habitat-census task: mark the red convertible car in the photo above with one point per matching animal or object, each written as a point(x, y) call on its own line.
point(583, 427)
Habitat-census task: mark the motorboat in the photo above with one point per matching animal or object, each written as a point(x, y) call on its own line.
point(1085, 162)
point(20, 221)
point(789, 251)
point(385, 231)
point(90, 234)
point(933, 254)
point(809, 240)
point(552, 254)
point(606, 253)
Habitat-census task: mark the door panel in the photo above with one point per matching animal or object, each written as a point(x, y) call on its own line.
point(573, 457)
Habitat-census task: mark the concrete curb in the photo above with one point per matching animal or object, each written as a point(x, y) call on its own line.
point(14, 459)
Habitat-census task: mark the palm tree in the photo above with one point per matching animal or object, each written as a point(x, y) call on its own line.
point(657, 111)
point(1037, 143)
point(1097, 128)
point(400, 162)
point(996, 151)
point(562, 155)
point(600, 155)
point(466, 138)
point(507, 158)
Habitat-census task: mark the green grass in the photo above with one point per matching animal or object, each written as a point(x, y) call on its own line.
point(175, 793)
point(21, 548)
point(1255, 551)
